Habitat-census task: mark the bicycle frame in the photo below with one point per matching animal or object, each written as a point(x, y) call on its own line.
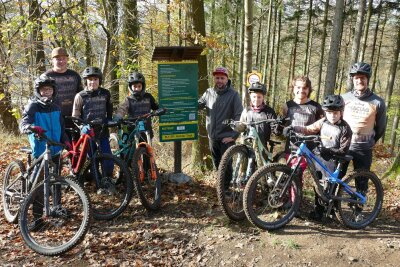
point(303, 151)
point(131, 143)
point(253, 141)
point(79, 156)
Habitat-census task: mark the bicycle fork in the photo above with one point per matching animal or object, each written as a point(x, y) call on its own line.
point(153, 168)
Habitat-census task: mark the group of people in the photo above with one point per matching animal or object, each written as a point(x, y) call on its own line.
point(58, 94)
point(350, 123)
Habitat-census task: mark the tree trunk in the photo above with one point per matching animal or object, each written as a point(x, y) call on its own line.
point(321, 61)
point(131, 29)
point(330, 79)
point(248, 46)
point(211, 59)
point(36, 38)
point(235, 44)
point(392, 71)
point(375, 38)
point(366, 28)
point(276, 65)
point(356, 40)
point(241, 55)
point(258, 49)
point(169, 28)
point(295, 42)
point(7, 120)
point(374, 72)
point(200, 151)
point(271, 60)
point(394, 128)
point(391, 79)
point(112, 22)
point(309, 27)
point(266, 58)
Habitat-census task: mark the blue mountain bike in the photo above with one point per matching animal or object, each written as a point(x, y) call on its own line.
point(272, 195)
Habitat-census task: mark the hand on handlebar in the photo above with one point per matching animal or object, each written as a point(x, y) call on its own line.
point(86, 129)
point(286, 131)
point(37, 130)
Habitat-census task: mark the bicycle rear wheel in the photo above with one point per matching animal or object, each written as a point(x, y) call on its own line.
point(358, 216)
point(262, 202)
point(232, 180)
point(67, 222)
point(147, 188)
point(112, 194)
point(14, 190)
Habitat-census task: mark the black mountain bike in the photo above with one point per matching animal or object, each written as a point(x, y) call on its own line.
point(55, 213)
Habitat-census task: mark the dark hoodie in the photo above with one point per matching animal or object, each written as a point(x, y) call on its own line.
point(221, 105)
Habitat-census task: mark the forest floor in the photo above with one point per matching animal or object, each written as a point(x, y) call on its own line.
point(191, 230)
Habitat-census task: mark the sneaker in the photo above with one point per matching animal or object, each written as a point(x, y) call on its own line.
point(358, 216)
point(36, 225)
point(316, 216)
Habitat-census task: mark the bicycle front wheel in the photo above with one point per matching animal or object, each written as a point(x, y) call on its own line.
point(147, 187)
point(108, 182)
point(14, 190)
point(266, 205)
point(65, 225)
point(232, 179)
point(356, 215)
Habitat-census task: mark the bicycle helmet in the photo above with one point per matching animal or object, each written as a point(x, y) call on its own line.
point(361, 68)
point(92, 71)
point(44, 80)
point(136, 77)
point(257, 87)
point(333, 102)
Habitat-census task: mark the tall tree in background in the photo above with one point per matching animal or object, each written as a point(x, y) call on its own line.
point(131, 30)
point(111, 66)
point(248, 46)
point(366, 28)
point(36, 37)
point(309, 28)
point(333, 57)
point(321, 61)
point(200, 149)
point(267, 41)
point(357, 38)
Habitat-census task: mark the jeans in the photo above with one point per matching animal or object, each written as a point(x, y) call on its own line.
point(362, 159)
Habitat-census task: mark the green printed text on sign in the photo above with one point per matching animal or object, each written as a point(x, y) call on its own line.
point(178, 93)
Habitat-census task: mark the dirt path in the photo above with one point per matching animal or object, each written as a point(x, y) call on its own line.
point(190, 230)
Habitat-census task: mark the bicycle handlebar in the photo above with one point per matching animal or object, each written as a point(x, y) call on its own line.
point(48, 140)
point(231, 122)
point(133, 121)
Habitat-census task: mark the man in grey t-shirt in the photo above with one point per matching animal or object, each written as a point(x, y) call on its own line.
point(68, 82)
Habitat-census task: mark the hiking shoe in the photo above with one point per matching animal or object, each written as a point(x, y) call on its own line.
point(316, 216)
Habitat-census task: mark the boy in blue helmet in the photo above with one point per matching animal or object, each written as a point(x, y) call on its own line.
point(42, 115)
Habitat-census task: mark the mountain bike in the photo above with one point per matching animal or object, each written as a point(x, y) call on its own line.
point(54, 214)
point(239, 162)
point(105, 177)
point(270, 204)
point(135, 148)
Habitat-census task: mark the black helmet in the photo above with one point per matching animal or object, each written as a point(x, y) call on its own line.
point(333, 102)
point(257, 87)
point(44, 80)
point(361, 68)
point(136, 77)
point(92, 71)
